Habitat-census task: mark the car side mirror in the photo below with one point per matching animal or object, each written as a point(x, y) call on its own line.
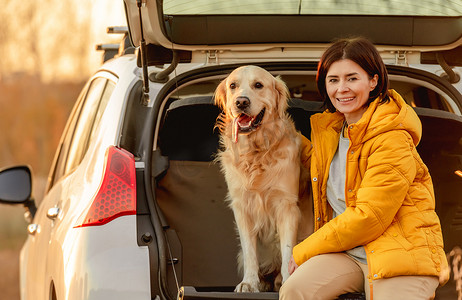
point(16, 187)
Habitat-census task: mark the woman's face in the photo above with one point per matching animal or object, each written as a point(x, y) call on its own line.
point(348, 87)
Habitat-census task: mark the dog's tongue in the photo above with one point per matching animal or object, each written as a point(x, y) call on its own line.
point(242, 121)
point(235, 130)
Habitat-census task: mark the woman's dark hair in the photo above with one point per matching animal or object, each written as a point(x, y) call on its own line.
point(361, 51)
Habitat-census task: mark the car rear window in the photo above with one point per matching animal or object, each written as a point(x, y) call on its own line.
point(451, 8)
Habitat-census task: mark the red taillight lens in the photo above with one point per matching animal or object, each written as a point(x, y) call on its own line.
point(116, 195)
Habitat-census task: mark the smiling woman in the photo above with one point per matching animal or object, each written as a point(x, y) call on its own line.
point(348, 87)
point(372, 193)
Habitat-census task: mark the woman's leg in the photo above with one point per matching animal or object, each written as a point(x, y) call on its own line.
point(324, 277)
point(400, 287)
point(405, 288)
point(365, 270)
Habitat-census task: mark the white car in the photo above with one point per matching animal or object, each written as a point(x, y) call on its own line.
point(134, 207)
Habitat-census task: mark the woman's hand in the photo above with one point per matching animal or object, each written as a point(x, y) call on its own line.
point(292, 265)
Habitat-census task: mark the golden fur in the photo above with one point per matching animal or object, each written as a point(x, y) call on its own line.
point(261, 164)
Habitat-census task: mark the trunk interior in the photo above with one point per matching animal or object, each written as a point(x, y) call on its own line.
point(190, 193)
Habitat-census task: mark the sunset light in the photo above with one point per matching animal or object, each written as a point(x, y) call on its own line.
point(230, 149)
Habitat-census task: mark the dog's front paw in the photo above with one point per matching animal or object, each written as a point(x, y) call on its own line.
point(247, 287)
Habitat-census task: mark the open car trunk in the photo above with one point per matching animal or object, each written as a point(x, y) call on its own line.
point(202, 243)
point(196, 243)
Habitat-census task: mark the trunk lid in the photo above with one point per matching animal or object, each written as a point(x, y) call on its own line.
point(257, 25)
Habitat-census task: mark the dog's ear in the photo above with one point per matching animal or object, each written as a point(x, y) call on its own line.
point(283, 96)
point(220, 95)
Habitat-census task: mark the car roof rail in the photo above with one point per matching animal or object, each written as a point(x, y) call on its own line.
point(117, 29)
point(112, 50)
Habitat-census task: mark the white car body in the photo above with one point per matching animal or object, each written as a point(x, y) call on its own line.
point(78, 263)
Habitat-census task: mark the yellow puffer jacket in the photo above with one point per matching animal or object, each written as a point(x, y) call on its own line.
point(388, 193)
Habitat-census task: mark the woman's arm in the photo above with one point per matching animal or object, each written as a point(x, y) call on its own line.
point(384, 185)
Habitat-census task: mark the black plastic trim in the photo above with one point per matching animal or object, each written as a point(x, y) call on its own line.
point(190, 293)
point(452, 57)
point(428, 77)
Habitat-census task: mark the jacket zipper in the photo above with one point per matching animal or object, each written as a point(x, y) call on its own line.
point(369, 275)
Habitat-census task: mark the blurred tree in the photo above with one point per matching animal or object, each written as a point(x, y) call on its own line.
point(5, 36)
point(51, 38)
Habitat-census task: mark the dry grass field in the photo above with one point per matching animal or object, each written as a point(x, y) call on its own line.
point(9, 281)
point(12, 236)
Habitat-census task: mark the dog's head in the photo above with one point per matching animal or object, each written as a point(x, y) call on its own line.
point(251, 96)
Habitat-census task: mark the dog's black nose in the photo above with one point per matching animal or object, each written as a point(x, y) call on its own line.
point(242, 102)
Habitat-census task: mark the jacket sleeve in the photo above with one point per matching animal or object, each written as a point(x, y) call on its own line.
point(383, 188)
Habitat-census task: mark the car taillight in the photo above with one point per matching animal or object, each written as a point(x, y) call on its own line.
point(116, 195)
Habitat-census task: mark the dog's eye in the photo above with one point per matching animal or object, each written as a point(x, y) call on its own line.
point(232, 86)
point(258, 85)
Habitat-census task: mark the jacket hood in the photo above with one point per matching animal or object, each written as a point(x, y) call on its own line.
point(377, 119)
point(394, 115)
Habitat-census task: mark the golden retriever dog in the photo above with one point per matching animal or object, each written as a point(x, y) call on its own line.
point(260, 159)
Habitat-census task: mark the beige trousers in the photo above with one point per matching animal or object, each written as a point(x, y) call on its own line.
point(328, 276)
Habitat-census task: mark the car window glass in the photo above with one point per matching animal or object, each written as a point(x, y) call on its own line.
point(102, 106)
point(313, 7)
point(59, 164)
point(79, 141)
point(86, 114)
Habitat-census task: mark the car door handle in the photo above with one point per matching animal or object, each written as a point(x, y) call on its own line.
point(32, 229)
point(53, 213)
